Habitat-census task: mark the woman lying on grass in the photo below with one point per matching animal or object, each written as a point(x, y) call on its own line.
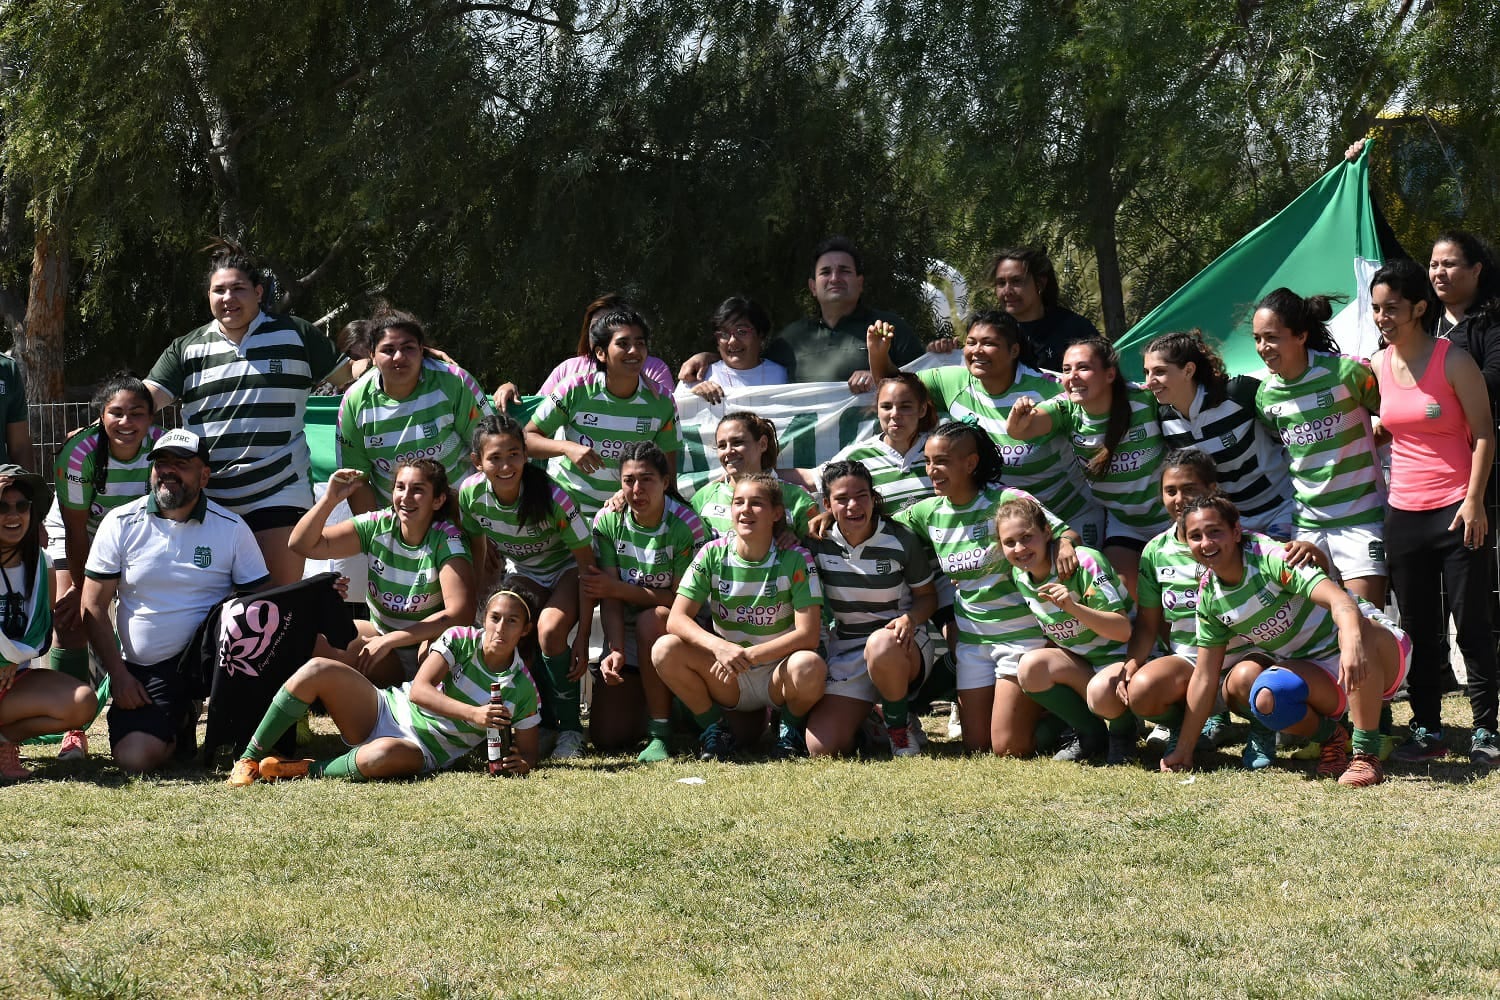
point(424, 725)
point(1328, 651)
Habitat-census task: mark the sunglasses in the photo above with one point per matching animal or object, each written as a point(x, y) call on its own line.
point(19, 507)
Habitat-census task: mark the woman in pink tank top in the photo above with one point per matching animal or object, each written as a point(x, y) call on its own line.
point(1436, 409)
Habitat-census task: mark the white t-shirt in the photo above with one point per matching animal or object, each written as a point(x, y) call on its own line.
point(171, 573)
point(765, 373)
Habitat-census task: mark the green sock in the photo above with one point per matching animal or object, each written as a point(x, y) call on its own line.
point(895, 712)
point(1068, 705)
point(73, 662)
point(562, 692)
point(342, 766)
point(1048, 728)
point(706, 719)
point(1123, 726)
point(286, 708)
point(1326, 726)
point(1171, 718)
point(1367, 741)
point(658, 743)
point(791, 720)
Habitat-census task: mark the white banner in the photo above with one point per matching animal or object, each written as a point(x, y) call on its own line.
point(814, 421)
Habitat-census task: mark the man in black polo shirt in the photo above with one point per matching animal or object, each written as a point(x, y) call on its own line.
point(830, 346)
point(1026, 287)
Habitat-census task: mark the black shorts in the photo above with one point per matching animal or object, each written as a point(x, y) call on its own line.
point(164, 716)
point(1124, 542)
point(267, 518)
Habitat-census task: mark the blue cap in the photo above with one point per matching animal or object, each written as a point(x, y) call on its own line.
point(1289, 694)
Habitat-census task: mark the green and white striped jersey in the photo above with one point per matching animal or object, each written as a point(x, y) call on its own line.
point(1127, 490)
point(588, 413)
point(376, 432)
point(752, 603)
point(900, 480)
point(867, 585)
point(73, 472)
point(1096, 586)
point(1045, 469)
point(1169, 580)
point(404, 587)
point(444, 740)
point(249, 402)
point(987, 605)
point(1323, 419)
point(541, 551)
point(645, 557)
point(712, 504)
point(1271, 606)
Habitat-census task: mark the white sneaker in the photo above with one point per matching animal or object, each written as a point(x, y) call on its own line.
point(955, 725)
point(1160, 734)
point(569, 745)
point(914, 728)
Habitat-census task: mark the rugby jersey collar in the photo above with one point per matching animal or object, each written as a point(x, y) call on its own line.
point(199, 511)
point(255, 324)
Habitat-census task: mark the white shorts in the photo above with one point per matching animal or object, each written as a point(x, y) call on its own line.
point(57, 549)
point(980, 665)
point(1354, 551)
point(848, 676)
point(755, 687)
point(388, 727)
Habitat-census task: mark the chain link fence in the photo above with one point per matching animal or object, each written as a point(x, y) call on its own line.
point(52, 423)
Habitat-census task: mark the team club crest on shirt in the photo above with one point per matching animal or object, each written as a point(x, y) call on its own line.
point(275, 366)
point(1325, 400)
point(430, 430)
point(1227, 440)
point(203, 556)
point(882, 566)
point(643, 425)
point(979, 532)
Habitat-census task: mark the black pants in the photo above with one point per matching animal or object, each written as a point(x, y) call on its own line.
point(1426, 560)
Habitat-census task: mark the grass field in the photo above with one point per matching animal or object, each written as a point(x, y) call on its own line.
point(936, 877)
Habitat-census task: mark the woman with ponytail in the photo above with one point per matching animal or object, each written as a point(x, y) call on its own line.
point(1113, 428)
point(1321, 405)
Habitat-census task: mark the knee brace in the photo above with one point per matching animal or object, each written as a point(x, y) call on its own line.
point(1288, 695)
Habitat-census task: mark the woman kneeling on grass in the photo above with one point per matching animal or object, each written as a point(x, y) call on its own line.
point(871, 568)
point(766, 605)
point(1329, 652)
point(1085, 616)
point(643, 551)
point(425, 725)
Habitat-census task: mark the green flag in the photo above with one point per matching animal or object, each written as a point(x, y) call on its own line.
point(1323, 243)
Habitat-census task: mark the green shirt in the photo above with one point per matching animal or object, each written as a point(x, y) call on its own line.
point(1271, 606)
point(541, 550)
point(812, 351)
point(444, 740)
point(987, 605)
point(376, 432)
point(712, 504)
point(586, 411)
point(1127, 488)
point(1096, 586)
point(645, 557)
point(404, 587)
point(1043, 468)
point(1323, 419)
point(752, 603)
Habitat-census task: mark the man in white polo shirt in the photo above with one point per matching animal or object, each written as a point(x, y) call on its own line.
point(170, 557)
